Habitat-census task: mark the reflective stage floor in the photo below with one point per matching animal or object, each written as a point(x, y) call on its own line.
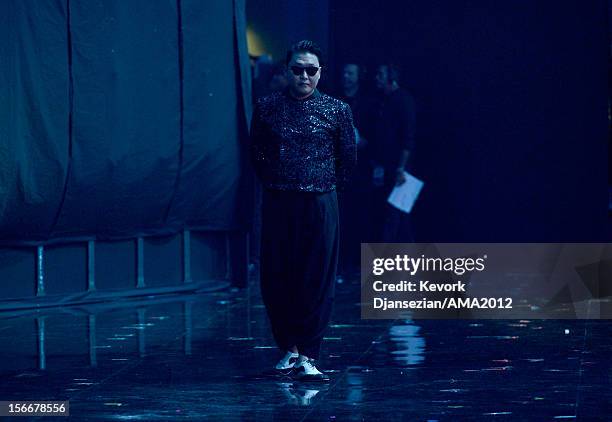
point(200, 357)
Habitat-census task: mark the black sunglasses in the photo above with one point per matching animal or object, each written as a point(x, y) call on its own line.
point(299, 70)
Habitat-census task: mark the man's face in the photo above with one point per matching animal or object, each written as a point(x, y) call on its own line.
point(350, 75)
point(382, 77)
point(302, 85)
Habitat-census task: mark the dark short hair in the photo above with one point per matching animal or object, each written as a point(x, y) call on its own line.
point(305, 46)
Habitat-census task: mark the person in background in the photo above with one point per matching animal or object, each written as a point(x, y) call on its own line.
point(261, 69)
point(392, 152)
point(272, 79)
point(278, 81)
point(354, 202)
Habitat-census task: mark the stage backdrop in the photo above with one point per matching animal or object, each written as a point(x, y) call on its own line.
point(512, 127)
point(122, 118)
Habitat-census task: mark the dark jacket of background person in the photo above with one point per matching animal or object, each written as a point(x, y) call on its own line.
point(394, 132)
point(355, 201)
point(363, 106)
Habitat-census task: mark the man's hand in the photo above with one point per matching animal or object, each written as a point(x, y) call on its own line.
point(400, 179)
point(378, 176)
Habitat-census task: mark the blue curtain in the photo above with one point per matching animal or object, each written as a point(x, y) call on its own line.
point(122, 118)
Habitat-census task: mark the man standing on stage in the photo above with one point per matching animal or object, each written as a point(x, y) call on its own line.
point(302, 148)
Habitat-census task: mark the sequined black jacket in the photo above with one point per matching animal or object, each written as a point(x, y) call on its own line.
point(302, 145)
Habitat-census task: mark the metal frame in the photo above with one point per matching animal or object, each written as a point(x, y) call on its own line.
point(236, 274)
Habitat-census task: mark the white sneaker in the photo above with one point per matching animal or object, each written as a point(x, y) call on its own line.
point(305, 370)
point(286, 364)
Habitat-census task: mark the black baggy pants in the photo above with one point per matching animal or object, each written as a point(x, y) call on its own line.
point(299, 254)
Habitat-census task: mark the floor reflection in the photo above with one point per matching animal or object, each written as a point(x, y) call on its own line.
point(203, 357)
point(410, 347)
point(299, 394)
